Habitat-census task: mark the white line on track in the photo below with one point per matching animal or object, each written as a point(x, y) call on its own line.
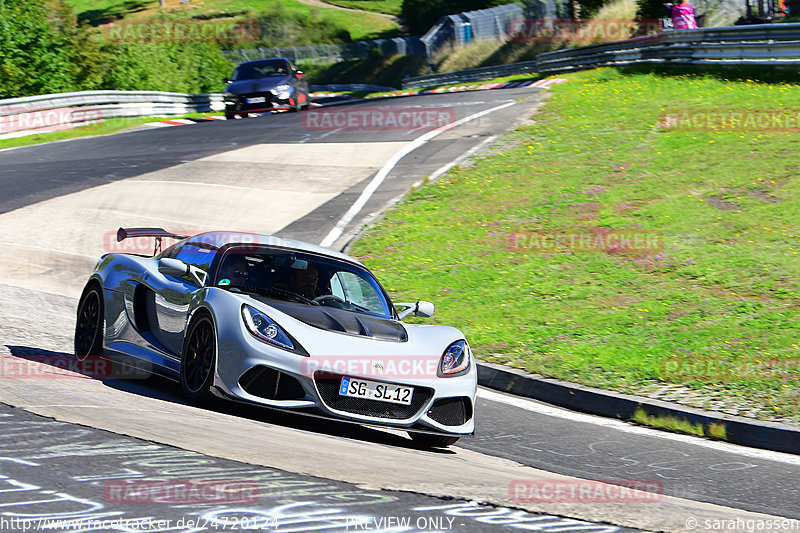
point(45, 249)
point(198, 183)
point(549, 410)
point(136, 215)
point(435, 176)
point(367, 193)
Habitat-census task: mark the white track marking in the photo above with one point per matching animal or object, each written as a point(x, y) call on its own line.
point(531, 405)
point(45, 249)
point(438, 173)
point(195, 184)
point(359, 204)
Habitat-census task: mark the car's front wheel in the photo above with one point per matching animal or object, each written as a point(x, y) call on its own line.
point(426, 440)
point(199, 359)
point(89, 324)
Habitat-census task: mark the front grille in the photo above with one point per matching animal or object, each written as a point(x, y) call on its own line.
point(271, 384)
point(451, 411)
point(328, 386)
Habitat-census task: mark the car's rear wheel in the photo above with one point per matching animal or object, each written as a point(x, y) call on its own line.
point(89, 324)
point(426, 440)
point(230, 116)
point(199, 359)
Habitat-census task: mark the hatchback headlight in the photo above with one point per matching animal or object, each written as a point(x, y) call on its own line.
point(265, 329)
point(455, 360)
point(282, 91)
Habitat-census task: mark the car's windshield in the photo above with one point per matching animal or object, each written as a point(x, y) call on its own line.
point(261, 69)
point(302, 277)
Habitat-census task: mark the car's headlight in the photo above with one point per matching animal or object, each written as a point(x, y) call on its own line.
point(266, 329)
point(455, 360)
point(282, 91)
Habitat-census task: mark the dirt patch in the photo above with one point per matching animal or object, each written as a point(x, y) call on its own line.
point(761, 195)
point(722, 205)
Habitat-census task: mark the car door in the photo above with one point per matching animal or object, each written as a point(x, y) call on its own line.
point(173, 294)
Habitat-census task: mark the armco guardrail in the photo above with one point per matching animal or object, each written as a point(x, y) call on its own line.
point(50, 112)
point(472, 74)
point(763, 44)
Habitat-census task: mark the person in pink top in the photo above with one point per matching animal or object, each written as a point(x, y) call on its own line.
point(683, 16)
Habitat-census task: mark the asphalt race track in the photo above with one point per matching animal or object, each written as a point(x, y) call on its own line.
point(67, 441)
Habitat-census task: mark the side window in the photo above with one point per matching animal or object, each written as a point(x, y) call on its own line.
point(359, 291)
point(336, 287)
point(195, 255)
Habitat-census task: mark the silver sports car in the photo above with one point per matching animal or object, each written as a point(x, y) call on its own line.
point(279, 323)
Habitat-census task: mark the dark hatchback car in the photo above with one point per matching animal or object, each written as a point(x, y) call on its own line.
point(265, 85)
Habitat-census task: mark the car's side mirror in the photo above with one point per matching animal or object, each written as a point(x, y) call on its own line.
point(227, 80)
point(175, 267)
point(424, 309)
point(172, 267)
point(421, 309)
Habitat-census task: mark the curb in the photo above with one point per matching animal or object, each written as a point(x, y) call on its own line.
point(542, 84)
point(739, 430)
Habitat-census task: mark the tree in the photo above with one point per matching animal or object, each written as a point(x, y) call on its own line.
point(36, 47)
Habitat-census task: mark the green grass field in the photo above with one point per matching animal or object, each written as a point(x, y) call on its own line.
point(359, 25)
point(715, 307)
point(390, 7)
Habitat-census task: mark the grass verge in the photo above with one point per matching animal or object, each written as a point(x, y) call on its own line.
point(114, 125)
point(514, 77)
point(388, 7)
point(713, 307)
point(714, 430)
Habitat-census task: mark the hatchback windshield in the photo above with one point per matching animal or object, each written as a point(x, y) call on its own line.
point(261, 69)
point(305, 278)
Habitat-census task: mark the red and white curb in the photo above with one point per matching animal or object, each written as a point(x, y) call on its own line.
point(542, 84)
point(182, 121)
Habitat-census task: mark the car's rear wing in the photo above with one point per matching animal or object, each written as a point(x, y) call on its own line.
point(157, 233)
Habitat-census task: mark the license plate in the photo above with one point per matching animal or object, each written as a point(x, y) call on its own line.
point(257, 100)
point(361, 388)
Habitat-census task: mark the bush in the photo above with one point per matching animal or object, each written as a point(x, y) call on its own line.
point(175, 67)
point(36, 47)
point(282, 27)
point(42, 50)
point(650, 9)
